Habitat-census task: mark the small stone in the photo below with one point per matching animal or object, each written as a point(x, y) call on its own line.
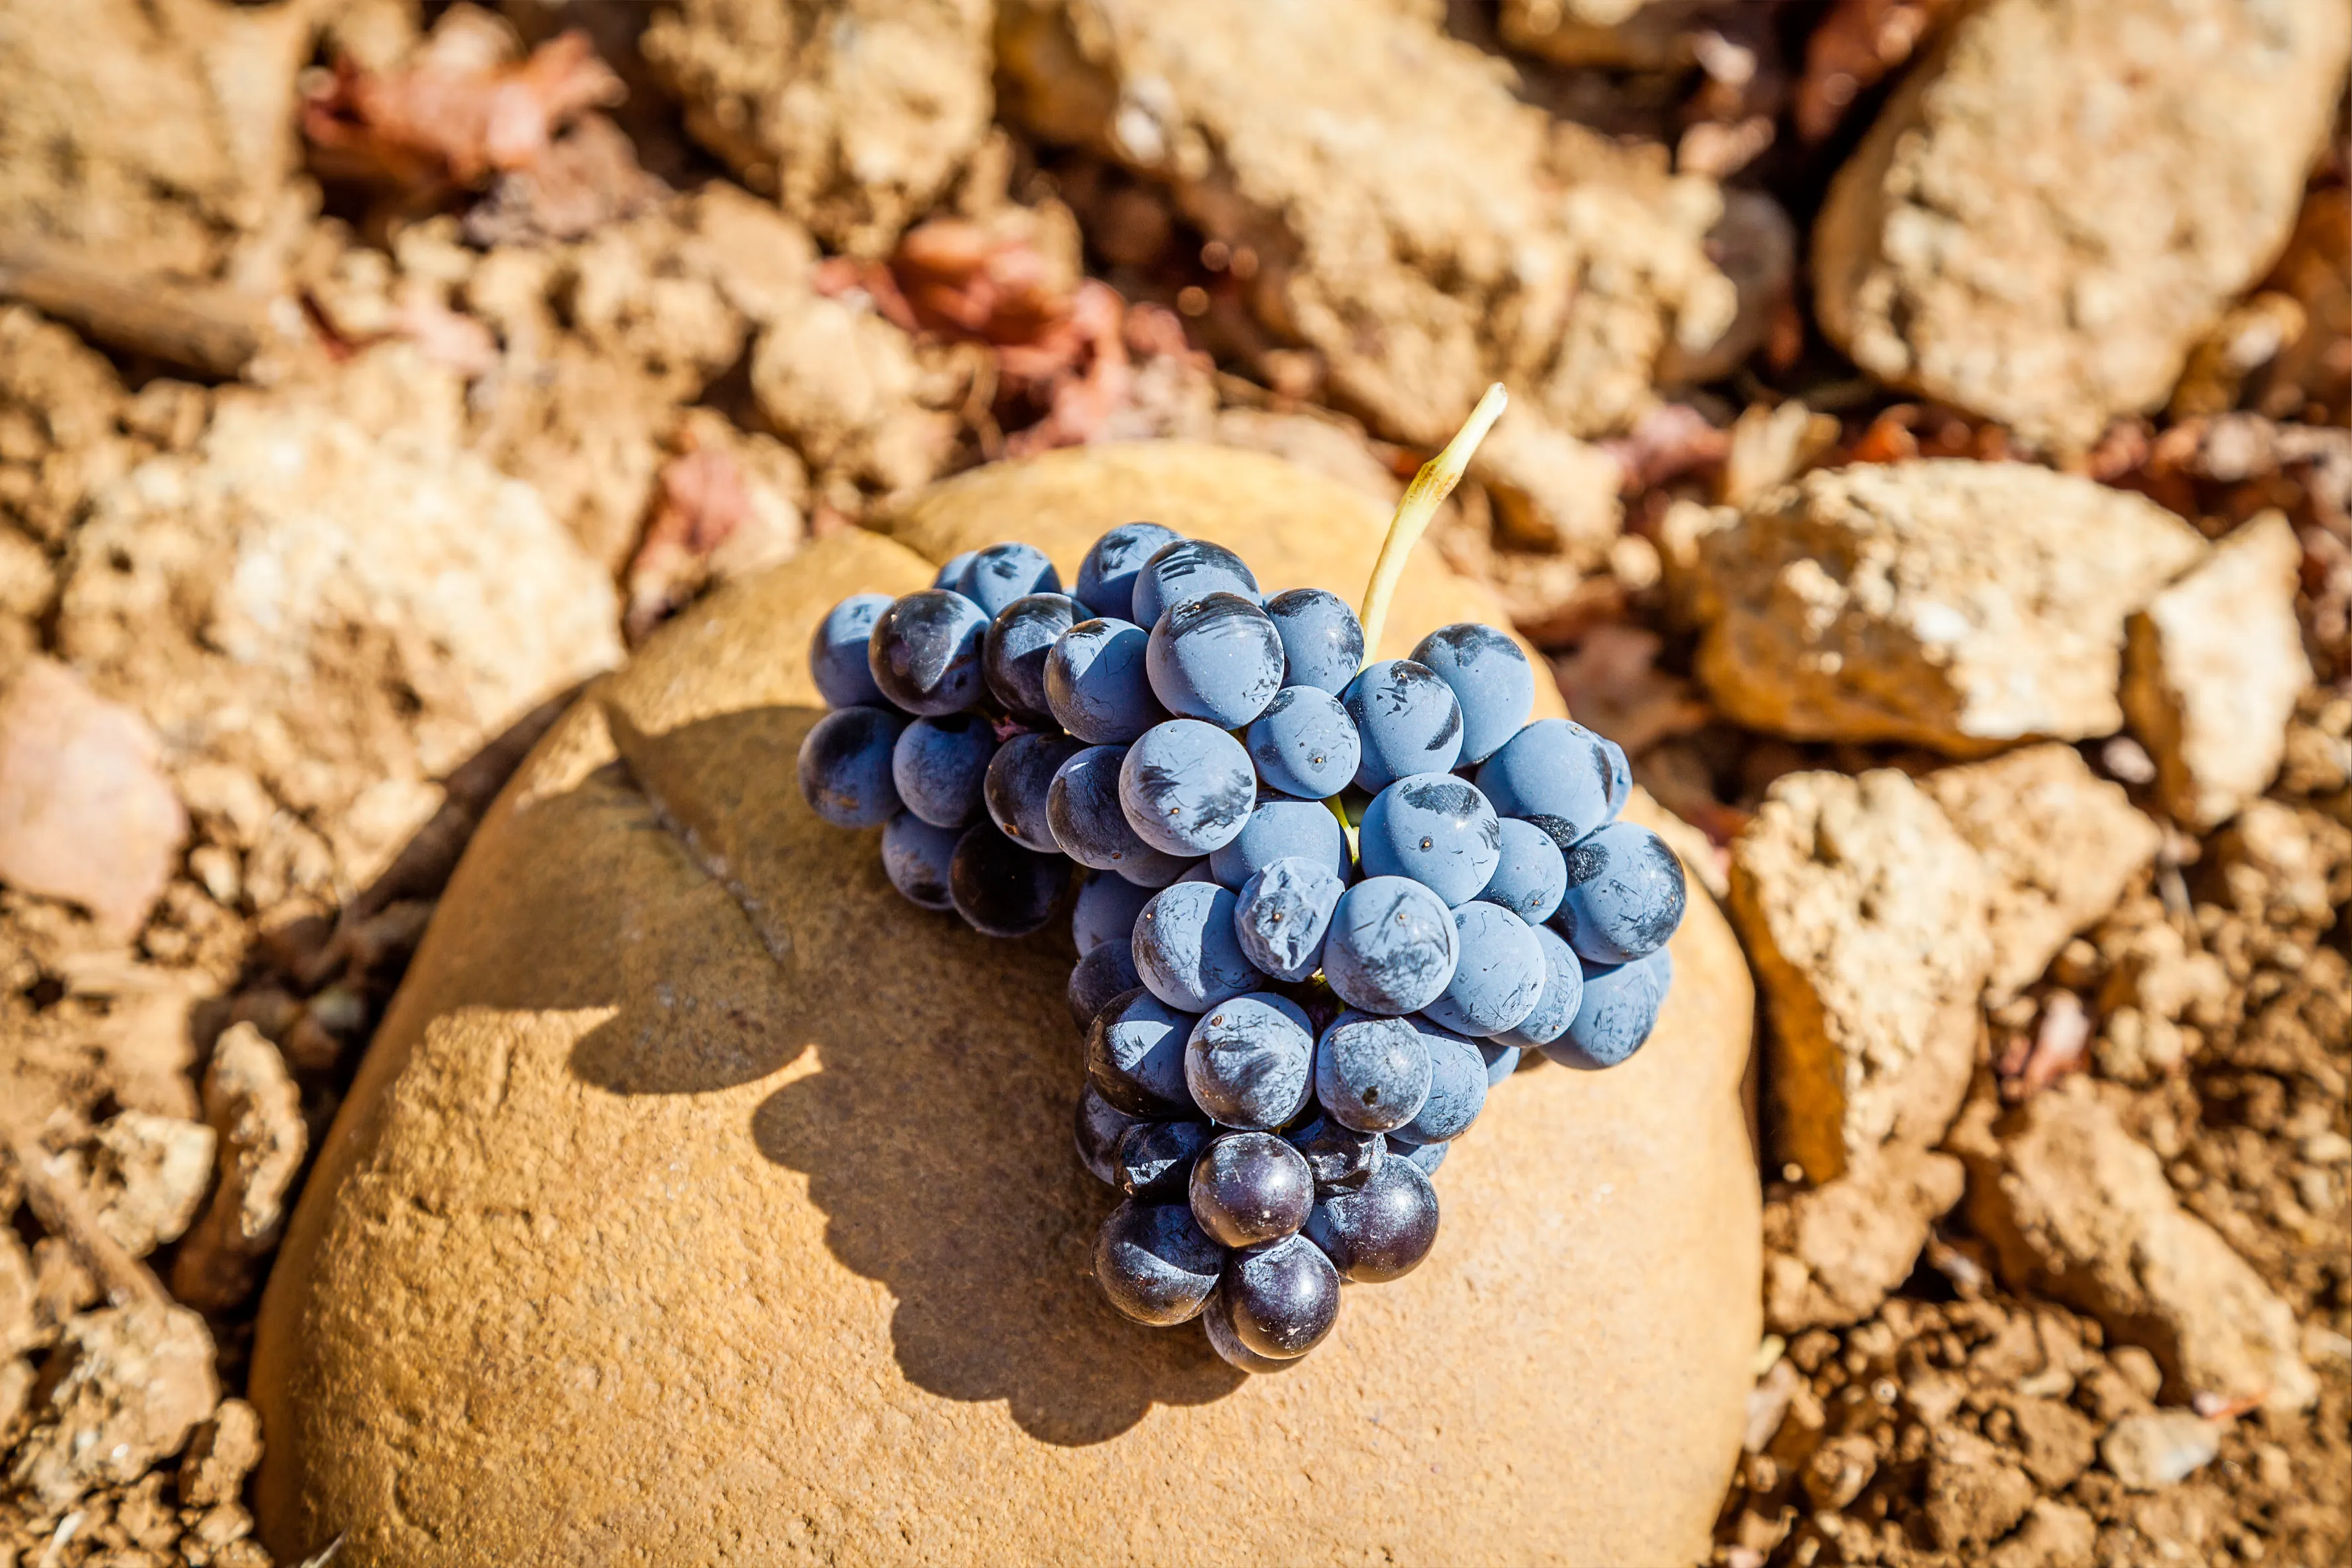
point(1834, 1253)
point(2059, 845)
point(128, 1386)
point(1956, 605)
point(253, 1106)
point(1975, 1491)
point(2158, 1448)
point(1864, 912)
point(148, 1175)
point(2057, 1441)
point(1555, 492)
point(85, 814)
point(2078, 1208)
point(1994, 242)
point(2214, 670)
point(1839, 1469)
point(2054, 1535)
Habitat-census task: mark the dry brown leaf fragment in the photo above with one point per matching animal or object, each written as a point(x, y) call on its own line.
point(1852, 49)
point(1669, 441)
point(1613, 685)
point(703, 501)
point(457, 113)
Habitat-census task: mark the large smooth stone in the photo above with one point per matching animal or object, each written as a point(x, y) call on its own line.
point(701, 1201)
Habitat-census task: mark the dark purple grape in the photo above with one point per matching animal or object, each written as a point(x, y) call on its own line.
point(1000, 889)
point(1625, 894)
point(924, 652)
point(1500, 976)
point(1281, 915)
point(1563, 993)
point(1381, 1231)
point(1489, 677)
point(1104, 911)
point(1371, 1073)
point(1217, 1320)
point(1283, 1297)
point(1083, 811)
point(998, 575)
point(1107, 576)
point(917, 858)
point(1099, 1124)
point(1322, 641)
point(1018, 776)
point(1426, 1157)
point(1249, 1188)
point(1391, 947)
point(1102, 976)
point(1437, 830)
point(1187, 787)
point(837, 652)
point(1531, 874)
point(1250, 1061)
point(1619, 1010)
point(1188, 569)
point(1457, 1087)
point(1407, 723)
point(939, 765)
point(1555, 769)
point(1020, 640)
point(1135, 1056)
point(1154, 1264)
point(1153, 1160)
point(1186, 948)
point(844, 767)
point(1338, 1157)
point(1282, 829)
point(1304, 743)
point(1216, 658)
point(1097, 686)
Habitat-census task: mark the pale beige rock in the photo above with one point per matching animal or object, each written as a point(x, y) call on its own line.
point(796, 1310)
point(1616, 35)
point(2064, 196)
point(2079, 1209)
point(1959, 604)
point(224, 1451)
point(1834, 1253)
point(1976, 1492)
point(20, 1327)
point(2157, 1448)
point(2060, 845)
point(86, 812)
point(852, 393)
point(854, 114)
point(147, 1177)
point(2054, 1535)
point(1556, 492)
point(134, 1382)
point(1411, 220)
point(256, 1110)
point(339, 618)
point(1864, 911)
point(2213, 669)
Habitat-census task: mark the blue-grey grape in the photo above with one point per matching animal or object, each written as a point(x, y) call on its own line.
point(1338, 1157)
point(1186, 950)
point(915, 857)
point(1563, 992)
point(1096, 683)
point(1013, 654)
point(1281, 914)
point(1083, 812)
point(1457, 1087)
point(844, 767)
point(939, 765)
point(952, 572)
point(1502, 1060)
point(1018, 777)
point(1625, 894)
point(1000, 887)
point(1153, 1160)
point(1186, 786)
point(1100, 977)
point(1104, 911)
point(1215, 658)
point(1435, 828)
point(1098, 1125)
point(924, 652)
point(1381, 1230)
point(1500, 976)
point(1281, 827)
point(1250, 1188)
point(1322, 640)
point(1426, 1157)
point(1371, 1072)
point(1107, 576)
point(1391, 946)
point(1282, 1298)
point(1619, 1010)
point(1557, 769)
point(1001, 573)
point(1407, 723)
point(837, 651)
point(1304, 743)
point(1154, 1264)
point(1249, 1062)
point(1188, 569)
point(1531, 874)
point(1135, 1056)
point(1489, 677)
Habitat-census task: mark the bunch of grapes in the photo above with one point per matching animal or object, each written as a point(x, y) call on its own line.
point(1322, 906)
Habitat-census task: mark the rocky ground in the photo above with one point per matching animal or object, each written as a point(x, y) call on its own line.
point(1944, 495)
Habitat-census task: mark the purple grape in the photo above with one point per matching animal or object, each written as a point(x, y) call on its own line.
point(1406, 720)
point(1135, 1056)
point(844, 767)
point(1282, 1298)
point(1099, 1124)
point(915, 857)
point(1371, 1073)
point(996, 576)
point(1281, 914)
point(1322, 641)
point(1563, 992)
point(1531, 874)
point(1499, 978)
point(1391, 947)
point(1083, 812)
point(1107, 576)
point(1557, 769)
point(1625, 894)
point(1457, 1087)
point(1435, 828)
point(1249, 1062)
point(1619, 1010)
point(1250, 1188)
point(952, 572)
point(1282, 829)
point(1000, 887)
point(1304, 743)
point(1096, 683)
point(1186, 949)
point(1424, 1157)
point(1338, 1158)
point(939, 765)
point(1489, 677)
point(1019, 776)
point(837, 652)
point(1217, 1320)
point(1020, 640)
point(924, 652)
point(1104, 911)
point(1153, 1160)
point(1099, 978)
point(1154, 1264)
point(1502, 1060)
point(1187, 787)
point(1381, 1231)
point(1215, 659)
point(1185, 570)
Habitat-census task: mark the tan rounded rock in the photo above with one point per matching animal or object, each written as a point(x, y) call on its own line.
point(702, 1201)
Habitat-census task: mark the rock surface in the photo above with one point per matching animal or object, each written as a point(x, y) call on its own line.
point(2212, 672)
point(854, 114)
point(2061, 200)
point(129, 1385)
point(2157, 1448)
point(1408, 218)
point(1834, 1253)
point(2060, 845)
point(1956, 605)
point(801, 1305)
point(1864, 911)
point(86, 812)
point(2078, 1208)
